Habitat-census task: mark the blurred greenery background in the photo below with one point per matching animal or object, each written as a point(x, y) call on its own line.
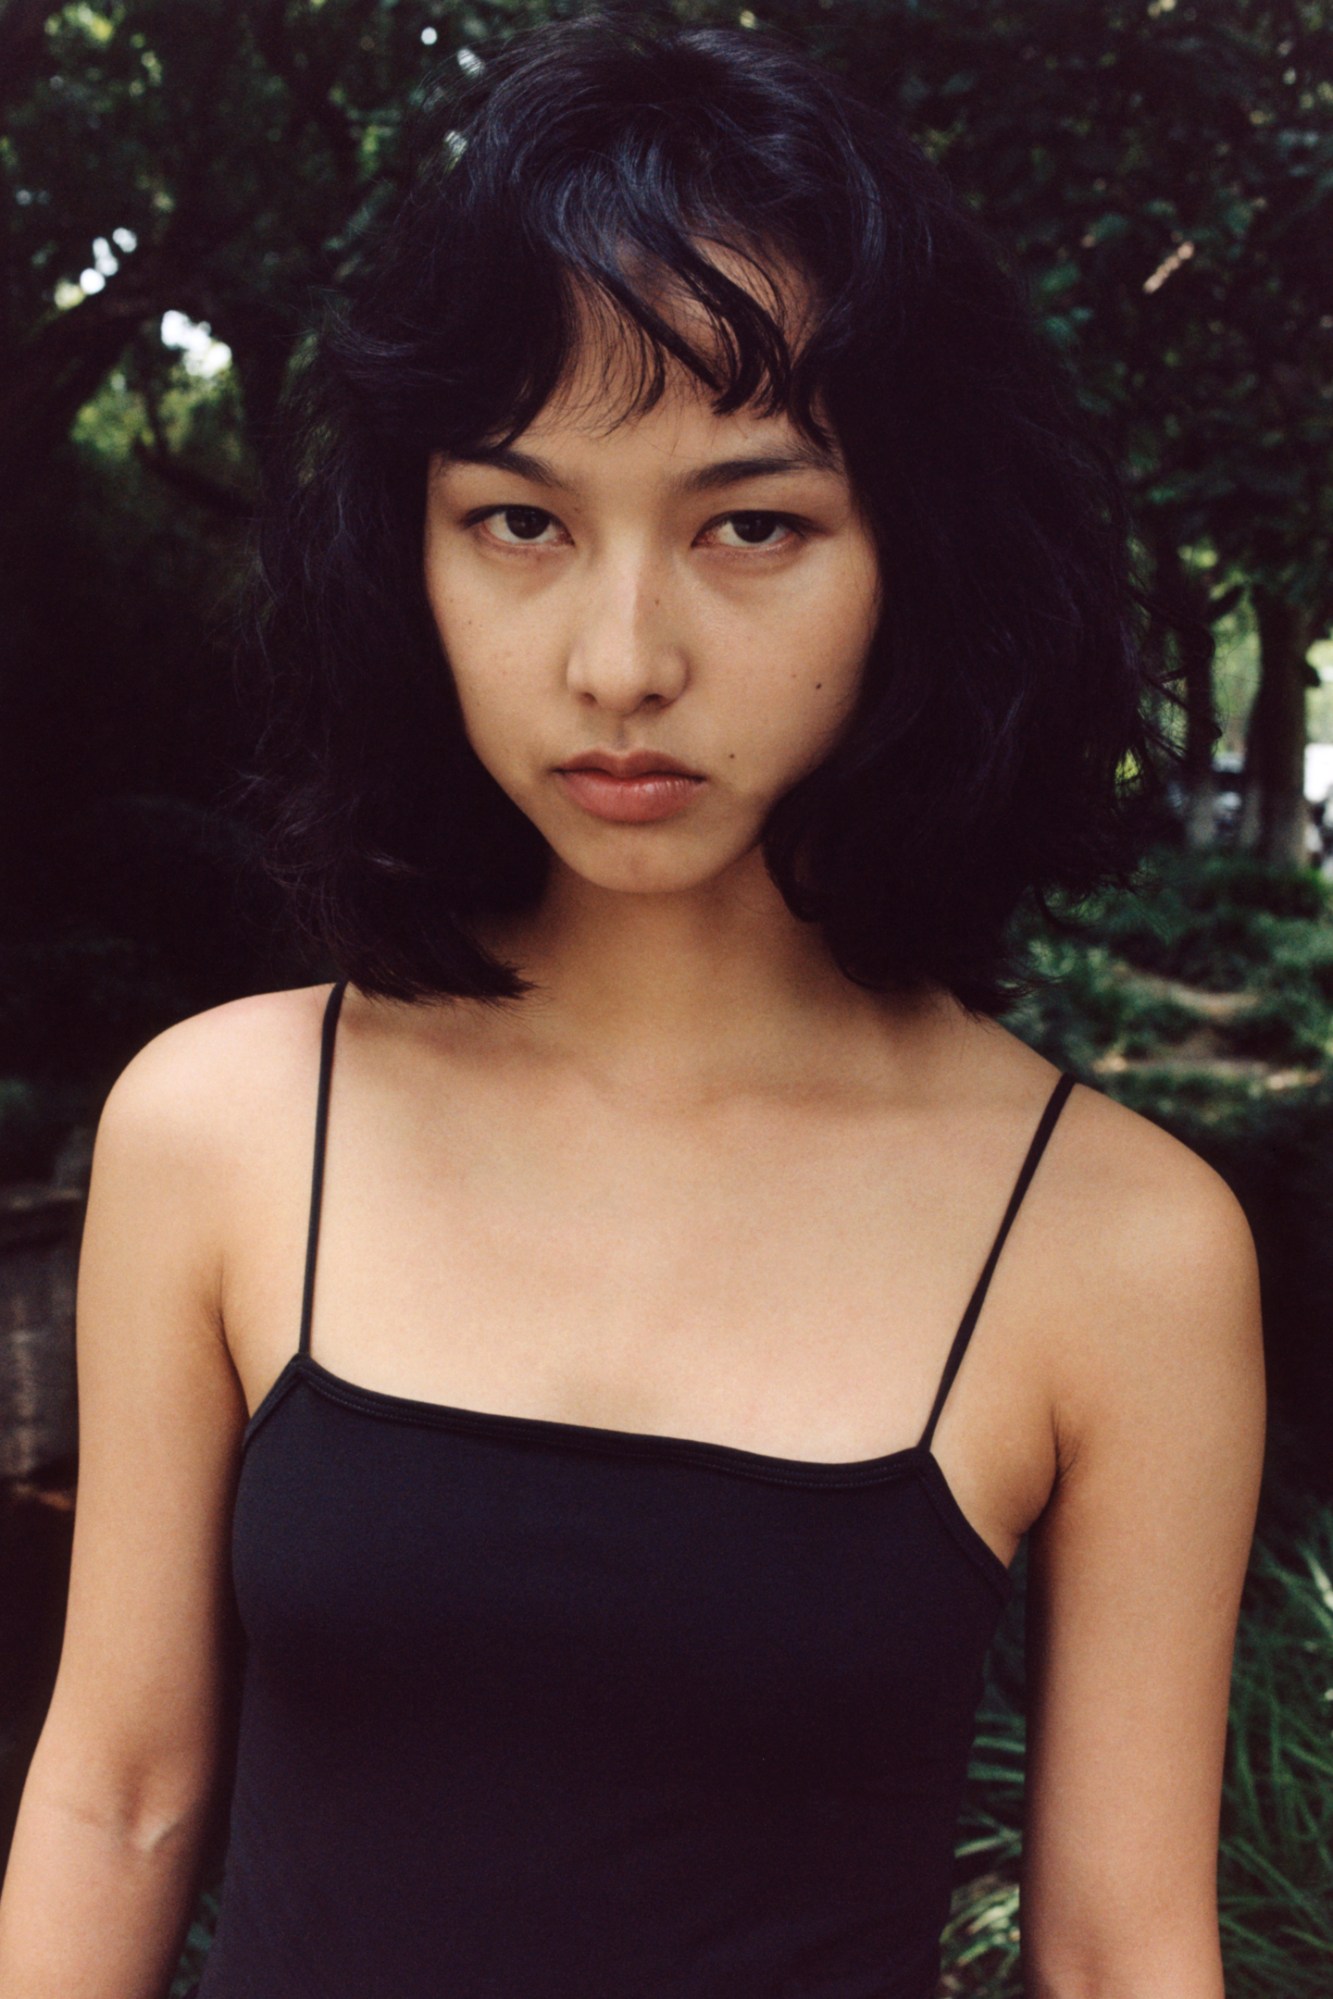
point(178, 181)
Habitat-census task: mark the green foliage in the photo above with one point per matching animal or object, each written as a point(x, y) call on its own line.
point(1276, 1858)
point(116, 600)
point(1289, 1026)
point(1211, 920)
point(239, 150)
point(1305, 957)
point(194, 1956)
point(1205, 880)
point(1163, 177)
point(1086, 1004)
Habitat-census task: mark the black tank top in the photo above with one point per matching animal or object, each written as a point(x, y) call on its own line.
point(533, 1710)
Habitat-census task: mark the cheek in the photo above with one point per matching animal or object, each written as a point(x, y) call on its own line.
point(801, 690)
point(839, 648)
point(492, 700)
point(483, 667)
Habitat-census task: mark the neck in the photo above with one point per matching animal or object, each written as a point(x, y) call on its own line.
point(702, 991)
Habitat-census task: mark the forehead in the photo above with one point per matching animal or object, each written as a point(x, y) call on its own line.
point(682, 439)
point(624, 398)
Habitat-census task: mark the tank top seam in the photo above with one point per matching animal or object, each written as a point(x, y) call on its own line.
point(894, 1467)
point(278, 1390)
point(589, 1440)
point(953, 1518)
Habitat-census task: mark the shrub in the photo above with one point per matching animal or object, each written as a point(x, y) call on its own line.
point(1213, 920)
point(1290, 1024)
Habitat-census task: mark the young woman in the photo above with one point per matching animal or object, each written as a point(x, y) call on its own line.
point(694, 619)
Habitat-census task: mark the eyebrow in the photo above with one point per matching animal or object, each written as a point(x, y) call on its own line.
point(701, 479)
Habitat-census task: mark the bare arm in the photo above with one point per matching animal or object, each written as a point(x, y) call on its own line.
point(1135, 1576)
point(101, 1877)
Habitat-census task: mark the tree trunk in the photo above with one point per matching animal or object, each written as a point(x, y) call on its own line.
point(1274, 823)
point(1186, 599)
point(261, 342)
point(46, 381)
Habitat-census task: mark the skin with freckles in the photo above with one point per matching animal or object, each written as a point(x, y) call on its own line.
point(701, 587)
point(618, 609)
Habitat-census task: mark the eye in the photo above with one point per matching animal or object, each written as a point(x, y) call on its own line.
point(754, 528)
point(524, 527)
point(525, 524)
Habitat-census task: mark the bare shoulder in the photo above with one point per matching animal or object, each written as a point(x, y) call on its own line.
point(210, 1071)
point(212, 1107)
point(1157, 1275)
point(1139, 1263)
point(1126, 1163)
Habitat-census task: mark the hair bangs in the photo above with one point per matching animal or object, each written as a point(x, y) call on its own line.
point(608, 209)
point(627, 264)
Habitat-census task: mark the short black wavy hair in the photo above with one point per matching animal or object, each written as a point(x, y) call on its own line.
point(1003, 743)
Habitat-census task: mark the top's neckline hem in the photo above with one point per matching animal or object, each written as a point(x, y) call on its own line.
point(596, 1440)
point(588, 1436)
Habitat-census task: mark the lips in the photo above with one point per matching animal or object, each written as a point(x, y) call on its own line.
point(633, 789)
point(632, 763)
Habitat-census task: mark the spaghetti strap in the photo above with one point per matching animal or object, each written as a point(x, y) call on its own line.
point(1055, 1104)
point(331, 1007)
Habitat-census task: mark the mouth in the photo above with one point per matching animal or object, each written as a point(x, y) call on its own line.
point(632, 764)
point(634, 789)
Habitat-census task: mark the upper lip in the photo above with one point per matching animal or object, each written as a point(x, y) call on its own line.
point(634, 763)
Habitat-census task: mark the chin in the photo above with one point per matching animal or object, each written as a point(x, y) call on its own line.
point(644, 878)
point(630, 865)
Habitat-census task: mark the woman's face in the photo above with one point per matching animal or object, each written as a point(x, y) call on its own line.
point(686, 589)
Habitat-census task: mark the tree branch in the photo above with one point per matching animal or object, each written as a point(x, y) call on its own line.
point(198, 486)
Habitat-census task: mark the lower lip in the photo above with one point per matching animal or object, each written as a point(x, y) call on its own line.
point(632, 801)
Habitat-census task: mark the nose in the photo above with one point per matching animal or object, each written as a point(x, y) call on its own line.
point(625, 650)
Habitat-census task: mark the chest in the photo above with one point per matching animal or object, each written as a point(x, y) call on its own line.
point(761, 1277)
